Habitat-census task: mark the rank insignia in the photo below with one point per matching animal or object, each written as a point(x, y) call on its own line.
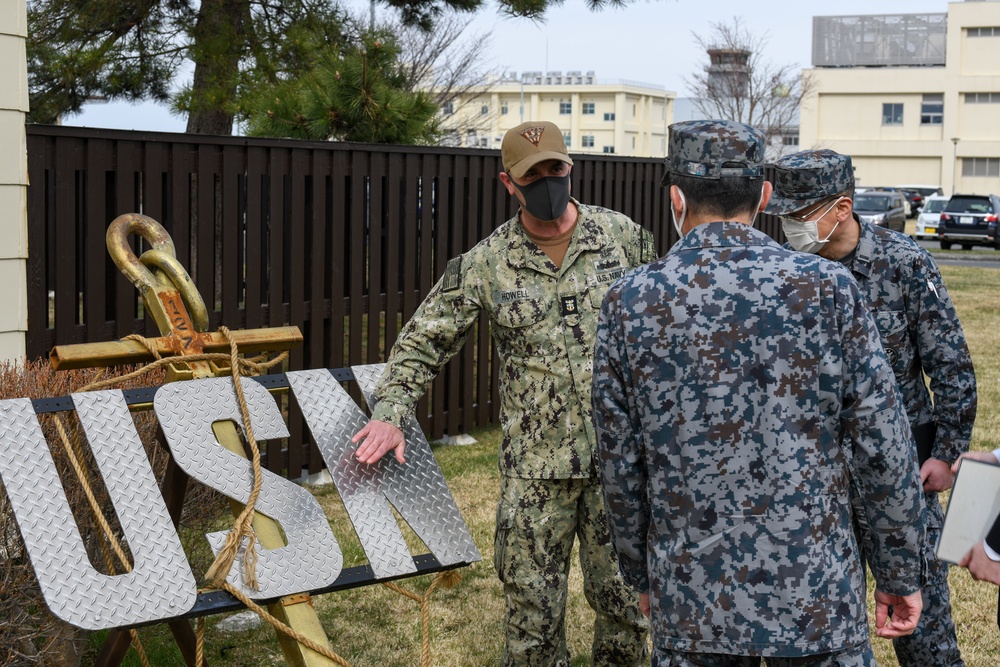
point(569, 305)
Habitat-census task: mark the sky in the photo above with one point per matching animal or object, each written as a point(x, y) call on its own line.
point(648, 41)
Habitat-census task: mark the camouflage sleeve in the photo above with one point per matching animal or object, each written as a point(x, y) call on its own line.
point(879, 448)
point(434, 334)
point(944, 355)
point(621, 460)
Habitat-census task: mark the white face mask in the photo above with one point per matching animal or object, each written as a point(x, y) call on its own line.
point(679, 225)
point(803, 235)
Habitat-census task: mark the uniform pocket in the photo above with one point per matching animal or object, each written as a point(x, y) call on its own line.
point(516, 328)
point(892, 333)
point(502, 537)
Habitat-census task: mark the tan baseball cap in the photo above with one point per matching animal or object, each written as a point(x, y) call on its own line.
point(529, 143)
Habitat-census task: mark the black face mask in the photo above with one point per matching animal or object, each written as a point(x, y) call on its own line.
point(546, 198)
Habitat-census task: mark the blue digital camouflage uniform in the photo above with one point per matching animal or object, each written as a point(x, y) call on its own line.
point(921, 334)
point(738, 387)
point(543, 321)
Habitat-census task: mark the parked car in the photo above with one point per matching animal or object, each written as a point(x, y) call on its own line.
point(907, 209)
point(915, 200)
point(930, 216)
point(970, 220)
point(883, 208)
point(919, 194)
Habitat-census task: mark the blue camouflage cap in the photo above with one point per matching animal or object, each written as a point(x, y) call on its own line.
point(714, 149)
point(808, 177)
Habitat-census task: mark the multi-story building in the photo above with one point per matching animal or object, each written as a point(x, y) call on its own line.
point(596, 116)
point(913, 98)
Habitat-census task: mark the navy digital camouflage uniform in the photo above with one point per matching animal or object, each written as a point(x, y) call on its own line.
point(738, 387)
point(543, 321)
point(921, 334)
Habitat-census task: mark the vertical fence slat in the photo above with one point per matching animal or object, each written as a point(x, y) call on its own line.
point(396, 207)
point(338, 250)
point(358, 243)
point(295, 256)
point(256, 262)
point(40, 177)
point(100, 269)
point(65, 243)
point(317, 281)
point(232, 227)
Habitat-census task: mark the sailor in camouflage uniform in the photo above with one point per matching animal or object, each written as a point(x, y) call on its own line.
point(540, 278)
point(920, 333)
point(738, 387)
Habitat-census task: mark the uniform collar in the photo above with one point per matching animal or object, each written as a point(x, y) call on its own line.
point(721, 235)
point(588, 236)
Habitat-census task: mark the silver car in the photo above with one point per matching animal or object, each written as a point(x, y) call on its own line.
point(883, 208)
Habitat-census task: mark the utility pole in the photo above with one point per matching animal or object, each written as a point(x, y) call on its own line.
point(954, 163)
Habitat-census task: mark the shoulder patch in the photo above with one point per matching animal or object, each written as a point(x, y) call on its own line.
point(648, 251)
point(452, 279)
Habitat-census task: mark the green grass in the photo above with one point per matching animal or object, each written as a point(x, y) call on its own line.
point(373, 626)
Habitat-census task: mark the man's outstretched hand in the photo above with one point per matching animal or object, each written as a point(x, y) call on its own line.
point(377, 438)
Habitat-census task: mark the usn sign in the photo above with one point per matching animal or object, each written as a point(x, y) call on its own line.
point(161, 584)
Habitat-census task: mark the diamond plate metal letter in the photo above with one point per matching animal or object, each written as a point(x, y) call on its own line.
point(312, 558)
point(160, 584)
point(417, 489)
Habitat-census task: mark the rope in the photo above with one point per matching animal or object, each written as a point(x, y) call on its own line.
point(254, 365)
point(448, 579)
point(242, 527)
point(89, 493)
point(146, 343)
point(217, 571)
point(111, 539)
point(282, 627)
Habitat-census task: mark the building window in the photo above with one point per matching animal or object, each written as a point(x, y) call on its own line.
point(565, 108)
point(981, 166)
point(587, 109)
point(892, 113)
point(984, 32)
point(484, 110)
point(982, 98)
point(790, 140)
point(633, 142)
point(566, 138)
point(587, 141)
point(633, 109)
point(484, 142)
point(609, 149)
point(503, 109)
point(609, 116)
point(931, 109)
point(448, 108)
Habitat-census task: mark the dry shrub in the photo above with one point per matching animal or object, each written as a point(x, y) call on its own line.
point(29, 634)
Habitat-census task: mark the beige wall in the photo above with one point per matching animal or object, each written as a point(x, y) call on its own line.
point(844, 112)
point(641, 115)
point(13, 180)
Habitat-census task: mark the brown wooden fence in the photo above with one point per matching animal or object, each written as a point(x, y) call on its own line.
point(340, 240)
